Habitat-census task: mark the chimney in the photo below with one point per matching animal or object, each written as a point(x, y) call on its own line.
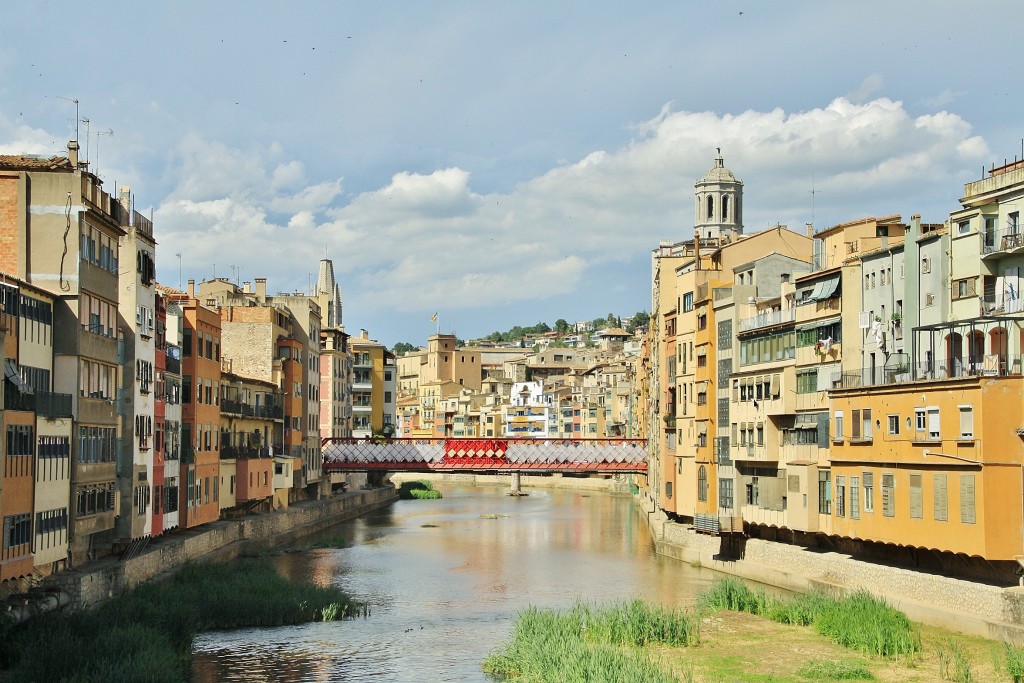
point(247, 287)
point(191, 288)
point(261, 289)
point(810, 229)
point(73, 153)
point(363, 334)
point(125, 198)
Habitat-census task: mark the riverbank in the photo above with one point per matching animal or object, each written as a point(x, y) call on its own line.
point(953, 604)
point(615, 483)
point(95, 582)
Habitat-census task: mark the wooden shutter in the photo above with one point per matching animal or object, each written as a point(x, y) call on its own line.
point(916, 497)
point(941, 504)
point(888, 495)
point(967, 512)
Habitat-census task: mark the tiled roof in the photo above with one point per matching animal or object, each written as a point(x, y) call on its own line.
point(18, 162)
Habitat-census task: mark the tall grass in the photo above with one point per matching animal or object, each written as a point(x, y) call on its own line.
point(860, 621)
point(588, 643)
point(422, 490)
point(828, 670)
point(1013, 659)
point(954, 662)
point(147, 633)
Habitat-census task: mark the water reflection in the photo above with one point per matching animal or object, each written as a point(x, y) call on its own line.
point(444, 580)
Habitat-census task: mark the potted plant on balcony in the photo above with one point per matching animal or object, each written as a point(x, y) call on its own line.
point(896, 319)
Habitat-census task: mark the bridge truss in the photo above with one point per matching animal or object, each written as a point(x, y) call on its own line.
point(485, 455)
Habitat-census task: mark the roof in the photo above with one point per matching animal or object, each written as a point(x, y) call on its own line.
point(719, 173)
point(614, 332)
point(21, 162)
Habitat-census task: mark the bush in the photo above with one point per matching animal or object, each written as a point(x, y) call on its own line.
point(421, 490)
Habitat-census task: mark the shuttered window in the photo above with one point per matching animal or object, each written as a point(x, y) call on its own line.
point(966, 422)
point(888, 495)
point(869, 492)
point(916, 497)
point(941, 503)
point(840, 496)
point(838, 435)
point(854, 497)
point(967, 498)
point(855, 424)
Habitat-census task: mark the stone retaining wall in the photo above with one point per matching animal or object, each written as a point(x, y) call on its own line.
point(616, 483)
point(97, 581)
point(955, 604)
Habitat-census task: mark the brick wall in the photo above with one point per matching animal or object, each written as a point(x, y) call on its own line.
point(9, 219)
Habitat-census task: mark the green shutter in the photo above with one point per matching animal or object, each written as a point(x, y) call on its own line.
point(941, 502)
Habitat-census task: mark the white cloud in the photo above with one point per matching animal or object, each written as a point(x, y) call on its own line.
point(16, 137)
point(869, 87)
point(425, 240)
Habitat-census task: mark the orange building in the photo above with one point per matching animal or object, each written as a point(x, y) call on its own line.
point(200, 398)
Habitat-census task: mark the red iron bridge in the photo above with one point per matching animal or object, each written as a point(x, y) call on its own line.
point(485, 455)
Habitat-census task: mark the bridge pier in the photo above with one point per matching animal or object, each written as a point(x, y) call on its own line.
point(516, 489)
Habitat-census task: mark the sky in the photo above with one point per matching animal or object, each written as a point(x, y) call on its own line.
point(503, 163)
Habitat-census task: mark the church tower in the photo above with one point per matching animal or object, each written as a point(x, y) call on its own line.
point(328, 295)
point(719, 203)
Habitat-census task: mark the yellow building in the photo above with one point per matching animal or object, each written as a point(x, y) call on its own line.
point(935, 465)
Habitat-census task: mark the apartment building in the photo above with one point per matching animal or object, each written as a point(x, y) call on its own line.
point(136, 396)
point(374, 384)
point(58, 201)
point(251, 421)
point(166, 417)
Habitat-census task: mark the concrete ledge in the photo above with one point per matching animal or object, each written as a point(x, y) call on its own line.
point(95, 582)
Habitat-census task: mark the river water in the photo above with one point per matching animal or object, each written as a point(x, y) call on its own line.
point(444, 580)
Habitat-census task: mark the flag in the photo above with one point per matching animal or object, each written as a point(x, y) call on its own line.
point(433, 318)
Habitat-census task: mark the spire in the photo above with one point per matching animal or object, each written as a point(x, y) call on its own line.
point(328, 293)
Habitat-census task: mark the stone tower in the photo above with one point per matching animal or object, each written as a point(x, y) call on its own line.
point(328, 294)
point(718, 203)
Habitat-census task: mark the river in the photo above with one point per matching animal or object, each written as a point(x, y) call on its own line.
point(444, 580)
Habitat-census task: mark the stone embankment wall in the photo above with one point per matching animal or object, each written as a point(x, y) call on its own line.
point(616, 483)
point(954, 604)
point(97, 581)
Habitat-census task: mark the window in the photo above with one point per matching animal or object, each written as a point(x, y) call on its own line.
point(824, 492)
point(894, 424)
point(941, 503)
point(869, 492)
point(933, 423)
point(889, 495)
point(967, 499)
point(753, 492)
point(964, 288)
point(688, 301)
point(702, 483)
point(963, 227)
point(966, 423)
point(854, 497)
point(916, 497)
point(840, 496)
point(838, 430)
point(725, 493)
point(668, 489)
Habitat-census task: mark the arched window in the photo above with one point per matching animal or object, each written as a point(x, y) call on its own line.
point(702, 484)
point(725, 209)
point(711, 207)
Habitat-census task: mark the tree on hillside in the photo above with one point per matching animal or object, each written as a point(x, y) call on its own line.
point(640, 320)
point(561, 326)
point(402, 348)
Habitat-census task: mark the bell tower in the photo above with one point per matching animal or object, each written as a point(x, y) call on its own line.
point(718, 203)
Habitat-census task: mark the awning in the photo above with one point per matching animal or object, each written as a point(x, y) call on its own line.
point(828, 288)
point(815, 324)
point(11, 373)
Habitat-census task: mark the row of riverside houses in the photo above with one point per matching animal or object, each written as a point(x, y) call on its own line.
point(131, 409)
point(448, 391)
point(858, 388)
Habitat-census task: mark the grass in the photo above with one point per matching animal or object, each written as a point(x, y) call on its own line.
point(589, 643)
point(421, 490)
point(860, 621)
point(1013, 660)
point(954, 662)
point(147, 633)
point(829, 670)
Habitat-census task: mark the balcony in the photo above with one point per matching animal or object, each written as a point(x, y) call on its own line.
point(173, 365)
point(1008, 241)
point(767, 319)
point(244, 452)
point(53, 405)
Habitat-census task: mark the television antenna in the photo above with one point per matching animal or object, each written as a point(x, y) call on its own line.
point(108, 131)
point(74, 100)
